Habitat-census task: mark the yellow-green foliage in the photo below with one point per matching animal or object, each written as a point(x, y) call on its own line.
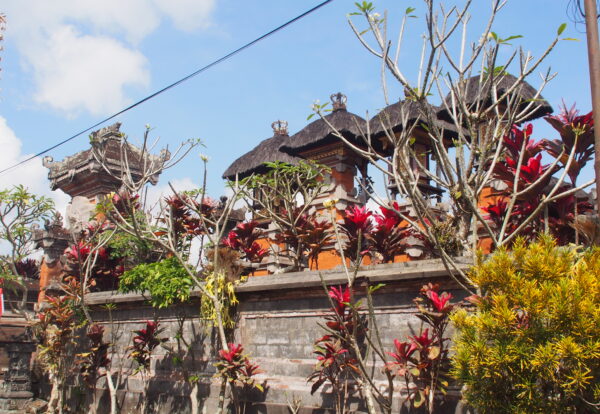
point(218, 284)
point(532, 344)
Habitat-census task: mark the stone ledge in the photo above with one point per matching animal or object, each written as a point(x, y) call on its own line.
point(376, 273)
point(422, 269)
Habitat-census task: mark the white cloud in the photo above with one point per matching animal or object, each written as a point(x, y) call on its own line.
point(187, 15)
point(67, 81)
point(83, 54)
point(34, 176)
point(155, 193)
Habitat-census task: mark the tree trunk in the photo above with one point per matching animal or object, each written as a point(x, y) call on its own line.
point(194, 398)
point(54, 401)
point(112, 392)
point(221, 407)
point(369, 398)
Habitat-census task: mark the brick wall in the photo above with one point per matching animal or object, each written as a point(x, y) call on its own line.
point(278, 323)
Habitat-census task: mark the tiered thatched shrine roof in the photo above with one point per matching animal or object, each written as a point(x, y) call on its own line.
point(267, 151)
point(477, 87)
point(319, 132)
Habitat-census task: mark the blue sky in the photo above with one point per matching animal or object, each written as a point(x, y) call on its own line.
point(68, 63)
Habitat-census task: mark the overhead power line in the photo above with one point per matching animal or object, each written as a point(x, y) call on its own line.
point(172, 85)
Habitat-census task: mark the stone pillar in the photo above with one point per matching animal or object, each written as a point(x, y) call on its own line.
point(15, 392)
point(53, 239)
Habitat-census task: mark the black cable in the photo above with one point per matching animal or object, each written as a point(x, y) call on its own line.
point(172, 85)
point(576, 13)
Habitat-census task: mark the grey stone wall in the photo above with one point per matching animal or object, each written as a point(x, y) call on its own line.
point(278, 318)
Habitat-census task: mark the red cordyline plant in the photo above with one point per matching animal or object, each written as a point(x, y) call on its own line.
point(235, 367)
point(422, 360)
point(106, 269)
point(381, 234)
point(28, 268)
point(145, 342)
point(94, 362)
point(316, 236)
point(186, 216)
point(355, 225)
point(562, 214)
point(57, 321)
point(531, 169)
point(337, 362)
point(519, 148)
point(182, 216)
point(243, 238)
point(125, 203)
point(387, 238)
point(576, 134)
point(306, 238)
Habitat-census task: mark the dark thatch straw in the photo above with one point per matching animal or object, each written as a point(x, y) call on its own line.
point(391, 117)
point(253, 161)
point(525, 92)
point(319, 133)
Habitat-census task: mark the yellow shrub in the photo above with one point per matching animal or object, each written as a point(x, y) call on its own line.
point(532, 343)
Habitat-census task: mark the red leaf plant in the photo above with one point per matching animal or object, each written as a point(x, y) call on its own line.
point(183, 219)
point(402, 355)
point(562, 213)
point(576, 135)
point(235, 368)
point(145, 342)
point(356, 225)
point(94, 362)
point(316, 236)
point(531, 169)
point(306, 238)
point(28, 268)
point(123, 203)
point(189, 216)
point(244, 238)
point(107, 269)
point(495, 212)
point(59, 313)
point(422, 360)
point(336, 358)
point(387, 238)
point(54, 330)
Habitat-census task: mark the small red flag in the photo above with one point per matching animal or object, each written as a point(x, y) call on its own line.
point(1, 302)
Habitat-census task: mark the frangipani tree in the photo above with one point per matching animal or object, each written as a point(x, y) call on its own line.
point(173, 228)
point(21, 212)
point(468, 137)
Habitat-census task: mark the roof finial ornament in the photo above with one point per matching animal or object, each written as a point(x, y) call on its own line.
point(47, 161)
point(280, 127)
point(109, 132)
point(339, 101)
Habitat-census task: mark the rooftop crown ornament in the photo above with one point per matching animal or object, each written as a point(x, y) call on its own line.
point(280, 127)
point(339, 101)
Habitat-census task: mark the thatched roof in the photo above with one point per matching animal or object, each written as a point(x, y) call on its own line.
point(524, 91)
point(267, 151)
point(404, 113)
point(392, 116)
point(319, 132)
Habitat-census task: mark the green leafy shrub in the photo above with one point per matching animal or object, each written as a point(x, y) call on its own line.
point(532, 343)
point(167, 282)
